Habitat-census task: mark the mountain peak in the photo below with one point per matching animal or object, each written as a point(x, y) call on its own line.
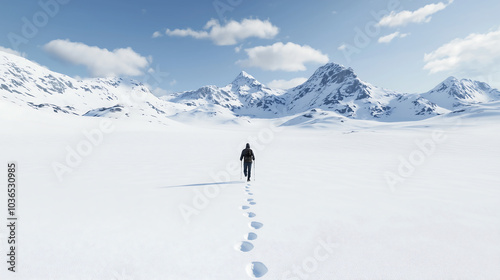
point(332, 73)
point(245, 79)
point(453, 92)
point(245, 76)
point(451, 80)
point(334, 65)
point(448, 83)
point(334, 69)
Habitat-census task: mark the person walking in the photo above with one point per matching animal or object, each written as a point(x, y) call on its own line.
point(248, 156)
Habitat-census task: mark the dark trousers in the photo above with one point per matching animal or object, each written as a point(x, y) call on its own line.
point(247, 169)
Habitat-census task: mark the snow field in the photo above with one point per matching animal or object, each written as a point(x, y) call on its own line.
point(322, 201)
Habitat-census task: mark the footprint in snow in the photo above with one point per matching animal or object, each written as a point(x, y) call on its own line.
point(252, 203)
point(244, 246)
point(250, 193)
point(250, 199)
point(249, 214)
point(256, 269)
point(244, 207)
point(256, 225)
point(251, 236)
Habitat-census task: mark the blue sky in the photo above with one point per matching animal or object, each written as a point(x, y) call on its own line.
point(408, 46)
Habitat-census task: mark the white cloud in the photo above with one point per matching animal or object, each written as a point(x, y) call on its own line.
point(231, 33)
point(418, 16)
point(475, 55)
point(286, 84)
point(279, 56)
point(188, 33)
point(99, 62)
point(342, 47)
point(11, 51)
point(392, 36)
point(157, 34)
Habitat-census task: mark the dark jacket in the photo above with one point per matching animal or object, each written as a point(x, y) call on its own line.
point(247, 154)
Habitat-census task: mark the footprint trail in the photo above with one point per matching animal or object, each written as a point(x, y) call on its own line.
point(254, 269)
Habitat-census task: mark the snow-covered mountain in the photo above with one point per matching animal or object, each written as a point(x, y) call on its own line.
point(28, 84)
point(244, 96)
point(334, 91)
point(334, 87)
point(453, 93)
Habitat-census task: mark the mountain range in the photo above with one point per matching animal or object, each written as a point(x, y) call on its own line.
point(333, 89)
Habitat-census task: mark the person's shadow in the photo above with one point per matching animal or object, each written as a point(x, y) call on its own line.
point(204, 184)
